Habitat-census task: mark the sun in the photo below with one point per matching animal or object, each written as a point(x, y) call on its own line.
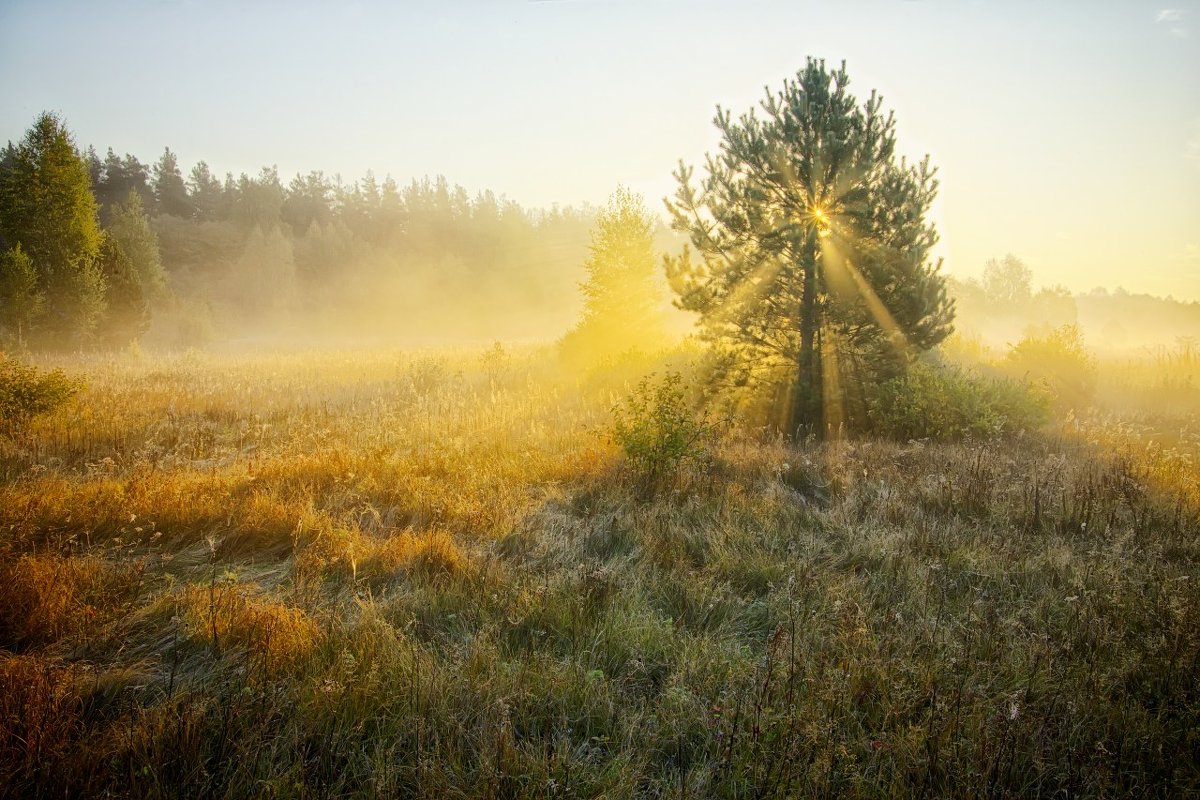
point(821, 220)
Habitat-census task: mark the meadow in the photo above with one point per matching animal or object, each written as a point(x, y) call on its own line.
point(434, 574)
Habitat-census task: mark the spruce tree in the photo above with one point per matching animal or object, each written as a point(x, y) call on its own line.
point(47, 207)
point(264, 277)
point(809, 262)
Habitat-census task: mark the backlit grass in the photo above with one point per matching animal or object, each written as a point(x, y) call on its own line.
point(431, 575)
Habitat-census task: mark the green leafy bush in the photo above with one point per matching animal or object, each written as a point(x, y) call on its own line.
point(26, 393)
point(660, 431)
point(942, 402)
point(1057, 361)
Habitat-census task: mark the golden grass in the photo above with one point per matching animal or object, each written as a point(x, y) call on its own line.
point(47, 597)
point(231, 615)
point(430, 554)
point(428, 575)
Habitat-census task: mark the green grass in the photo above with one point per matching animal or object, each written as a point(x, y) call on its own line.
point(385, 575)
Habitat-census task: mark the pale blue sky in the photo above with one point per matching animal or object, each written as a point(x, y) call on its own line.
point(1067, 133)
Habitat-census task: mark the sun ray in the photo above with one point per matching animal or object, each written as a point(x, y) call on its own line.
point(752, 286)
point(842, 277)
point(832, 400)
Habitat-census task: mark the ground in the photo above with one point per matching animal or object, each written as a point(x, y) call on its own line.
point(384, 574)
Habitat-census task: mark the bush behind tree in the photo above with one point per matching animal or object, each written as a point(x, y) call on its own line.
point(1058, 361)
point(946, 403)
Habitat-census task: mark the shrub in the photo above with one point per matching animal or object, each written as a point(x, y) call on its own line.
point(1058, 361)
point(425, 377)
point(659, 430)
point(936, 401)
point(26, 393)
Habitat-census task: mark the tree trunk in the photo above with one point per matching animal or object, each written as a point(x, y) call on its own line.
point(805, 416)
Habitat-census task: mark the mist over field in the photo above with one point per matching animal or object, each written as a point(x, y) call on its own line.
point(747, 423)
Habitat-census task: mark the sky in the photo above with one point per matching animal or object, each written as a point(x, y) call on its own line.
point(1065, 133)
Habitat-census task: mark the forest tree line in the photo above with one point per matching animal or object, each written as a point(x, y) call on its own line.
point(140, 249)
point(98, 251)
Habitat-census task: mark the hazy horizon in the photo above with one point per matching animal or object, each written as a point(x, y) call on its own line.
point(1067, 135)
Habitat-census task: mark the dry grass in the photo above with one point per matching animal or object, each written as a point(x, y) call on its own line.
point(49, 597)
point(429, 575)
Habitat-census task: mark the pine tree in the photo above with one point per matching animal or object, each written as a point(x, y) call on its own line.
point(622, 309)
point(813, 276)
point(114, 178)
point(47, 207)
point(307, 202)
point(256, 201)
point(170, 192)
point(205, 192)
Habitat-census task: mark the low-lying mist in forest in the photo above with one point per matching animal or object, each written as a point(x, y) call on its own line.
point(315, 259)
point(198, 261)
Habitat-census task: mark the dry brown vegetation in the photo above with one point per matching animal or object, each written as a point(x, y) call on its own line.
point(433, 575)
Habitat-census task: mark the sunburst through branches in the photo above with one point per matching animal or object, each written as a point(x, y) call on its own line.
point(812, 273)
